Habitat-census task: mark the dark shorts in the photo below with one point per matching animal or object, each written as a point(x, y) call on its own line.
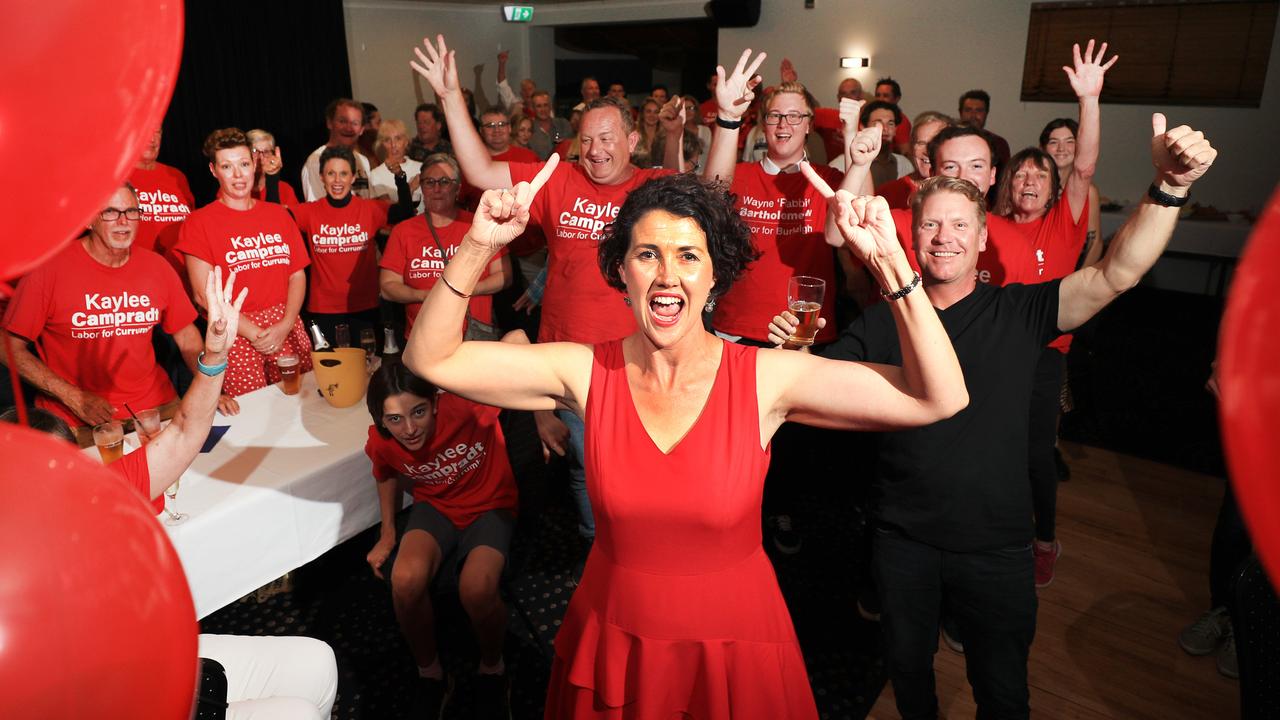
point(492, 529)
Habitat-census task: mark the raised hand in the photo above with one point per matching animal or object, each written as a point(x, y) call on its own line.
point(735, 91)
point(503, 214)
point(223, 313)
point(672, 117)
point(787, 71)
point(850, 112)
point(863, 146)
point(1086, 77)
point(1181, 155)
point(438, 66)
point(863, 221)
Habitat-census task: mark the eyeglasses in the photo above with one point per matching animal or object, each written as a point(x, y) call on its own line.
point(438, 182)
point(793, 118)
point(492, 125)
point(260, 151)
point(112, 214)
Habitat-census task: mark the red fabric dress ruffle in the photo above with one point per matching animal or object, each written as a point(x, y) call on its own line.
point(678, 613)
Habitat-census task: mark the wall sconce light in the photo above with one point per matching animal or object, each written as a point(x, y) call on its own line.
point(854, 62)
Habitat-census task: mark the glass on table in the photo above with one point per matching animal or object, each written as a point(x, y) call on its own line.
point(804, 300)
point(172, 517)
point(342, 335)
point(290, 380)
point(109, 438)
point(147, 423)
point(368, 343)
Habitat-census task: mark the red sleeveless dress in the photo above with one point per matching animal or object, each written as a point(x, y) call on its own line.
point(678, 613)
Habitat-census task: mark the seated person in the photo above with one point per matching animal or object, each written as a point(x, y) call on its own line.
point(450, 453)
point(91, 310)
point(276, 677)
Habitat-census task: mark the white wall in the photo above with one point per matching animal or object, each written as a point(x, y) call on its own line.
point(982, 43)
point(937, 50)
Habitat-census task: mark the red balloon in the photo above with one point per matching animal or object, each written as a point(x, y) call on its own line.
point(96, 618)
point(1249, 381)
point(85, 84)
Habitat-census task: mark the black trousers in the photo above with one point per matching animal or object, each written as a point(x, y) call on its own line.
point(1230, 549)
point(1042, 435)
point(990, 595)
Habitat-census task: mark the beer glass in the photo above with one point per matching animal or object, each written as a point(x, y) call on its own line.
point(147, 423)
point(342, 335)
point(109, 437)
point(290, 382)
point(804, 300)
point(369, 343)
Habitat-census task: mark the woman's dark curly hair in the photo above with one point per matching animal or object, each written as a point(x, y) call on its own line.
point(707, 202)
point(394, 378)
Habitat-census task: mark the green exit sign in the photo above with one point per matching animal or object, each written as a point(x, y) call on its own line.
point(518, 13)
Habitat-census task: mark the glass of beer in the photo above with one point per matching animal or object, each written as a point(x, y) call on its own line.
point(369, 343)
point(290, 382)
point(804, 300)
point(342, 335)
point(109, 437)
point(147, 423)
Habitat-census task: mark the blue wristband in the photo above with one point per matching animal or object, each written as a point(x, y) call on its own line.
point(210, 370)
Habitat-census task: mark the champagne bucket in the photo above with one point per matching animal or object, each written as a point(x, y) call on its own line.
point(341, 376)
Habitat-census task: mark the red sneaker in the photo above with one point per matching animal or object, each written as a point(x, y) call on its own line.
point(1045, 560)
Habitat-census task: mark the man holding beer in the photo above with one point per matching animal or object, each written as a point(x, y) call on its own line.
point(90, 310)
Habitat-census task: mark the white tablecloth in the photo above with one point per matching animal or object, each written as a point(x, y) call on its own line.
point(288, 481)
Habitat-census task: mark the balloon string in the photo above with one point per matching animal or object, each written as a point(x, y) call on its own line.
point(19, 403)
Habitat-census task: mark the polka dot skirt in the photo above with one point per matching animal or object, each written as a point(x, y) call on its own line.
point(248, 369)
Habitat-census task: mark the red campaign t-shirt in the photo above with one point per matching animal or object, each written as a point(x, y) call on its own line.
point(344, 256)
point(578, 306)
point(288, 197)
point(826, 122)
point(1055, 239)
point(898, 192)
point(261, 244)
point(412, 253)
point(462, 470)
point(1006, 260)
point(136, 472)
point(469, 195)
point(787, 217)
point(164, 197)
point(92, 325)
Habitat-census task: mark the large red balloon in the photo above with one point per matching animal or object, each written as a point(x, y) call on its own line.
point(1249, 379)
point(85, 83)
point(96, 618)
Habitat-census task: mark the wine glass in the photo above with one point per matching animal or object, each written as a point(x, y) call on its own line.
point(171, 495)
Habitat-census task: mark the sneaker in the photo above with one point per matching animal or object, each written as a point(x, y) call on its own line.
point(785, 537)
point(493, 697)
point(868, 604)
point(1205, 634)
point(1228, 665)
point(1045, 560)
point(430, 696)
point(951, 636)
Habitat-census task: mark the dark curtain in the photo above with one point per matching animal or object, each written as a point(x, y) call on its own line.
point(269, 65)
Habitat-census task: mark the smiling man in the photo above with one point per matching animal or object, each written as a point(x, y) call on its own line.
point(345, 119)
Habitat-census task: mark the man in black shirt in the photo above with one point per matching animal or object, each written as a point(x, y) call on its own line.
point(954, 525)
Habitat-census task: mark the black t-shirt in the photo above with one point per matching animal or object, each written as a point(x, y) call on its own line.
point(961, 484)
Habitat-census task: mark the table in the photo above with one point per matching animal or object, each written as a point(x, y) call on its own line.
point(287, 482)
point(1200, 257)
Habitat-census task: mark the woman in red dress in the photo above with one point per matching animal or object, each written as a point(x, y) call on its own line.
point(678, 610)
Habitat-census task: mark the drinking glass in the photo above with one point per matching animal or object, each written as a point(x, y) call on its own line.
point(342, 335)
point(290, 380)
point(109, 437)
point(804, 300)
point(147, 423)
point(172, 517)
point(369, 343)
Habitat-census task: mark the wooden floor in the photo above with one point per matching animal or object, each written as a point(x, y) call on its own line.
point(1133, 573)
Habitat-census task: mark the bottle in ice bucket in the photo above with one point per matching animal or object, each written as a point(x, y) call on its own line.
point(318, 341)
point(390, 348)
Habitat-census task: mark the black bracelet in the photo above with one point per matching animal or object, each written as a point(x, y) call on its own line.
point(901, 292)
point(1161, 197)
point(728, 124)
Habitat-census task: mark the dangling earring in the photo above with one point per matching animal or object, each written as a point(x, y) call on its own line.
point(627, 299)
point(710, 306)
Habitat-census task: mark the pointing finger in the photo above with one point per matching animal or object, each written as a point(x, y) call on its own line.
point(816, 180)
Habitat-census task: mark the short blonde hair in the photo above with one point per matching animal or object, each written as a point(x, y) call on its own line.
point(386, 130)
point(942, 183)
point(258, 134)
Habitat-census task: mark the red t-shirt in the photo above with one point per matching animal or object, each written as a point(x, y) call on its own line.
point(92, 325)
point(1006, 260)
point(164, 197)
point(826, 122)
point(787, 217)
point(136, 472)
point(573, 210)
point(462, 470)
point(412, 253)
point(898, 192)
point(902, 135)
point(344, 256)
point(261, 244)
point(288, 197)
point(1055, 241)
point(469, 195)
